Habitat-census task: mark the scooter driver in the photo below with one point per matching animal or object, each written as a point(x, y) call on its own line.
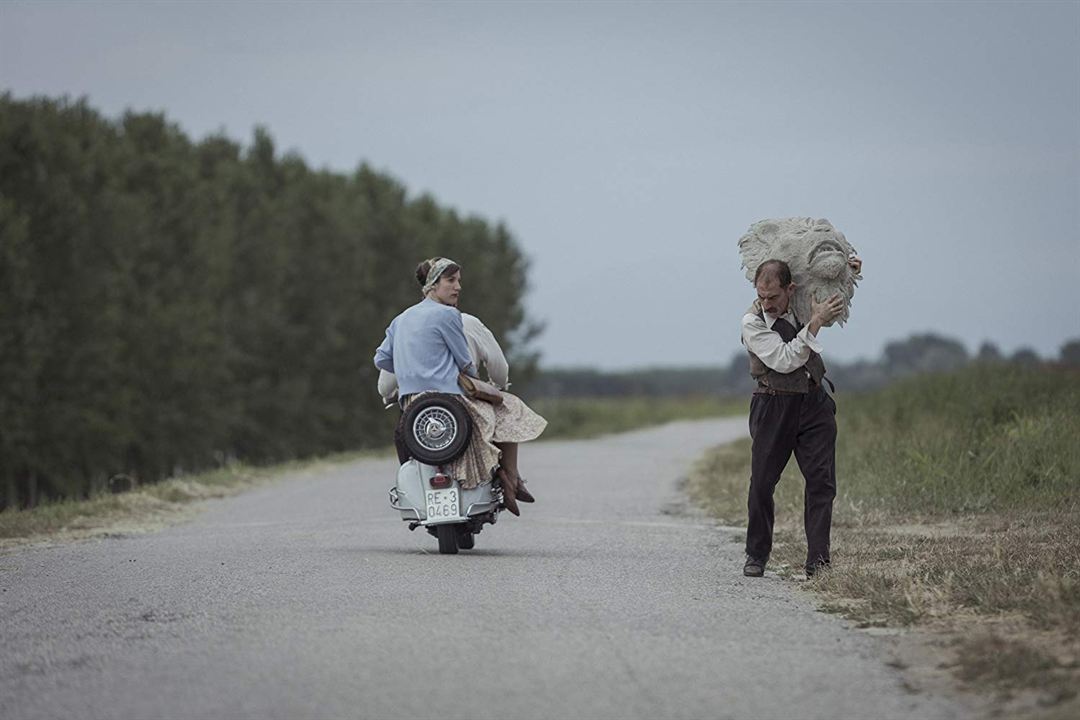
point(425, 348)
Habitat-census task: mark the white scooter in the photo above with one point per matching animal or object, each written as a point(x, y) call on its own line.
point(436, 430)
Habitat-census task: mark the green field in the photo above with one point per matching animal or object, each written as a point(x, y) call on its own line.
point(958, 508)
point(577, 418)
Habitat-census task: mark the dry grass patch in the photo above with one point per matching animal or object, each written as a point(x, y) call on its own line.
point(1001, 590)
point(148, 507)
point(957, 517)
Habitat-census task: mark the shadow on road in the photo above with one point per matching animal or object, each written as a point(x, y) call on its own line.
point(480, 552)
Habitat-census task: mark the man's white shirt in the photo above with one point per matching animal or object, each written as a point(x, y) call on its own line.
point(783, 357)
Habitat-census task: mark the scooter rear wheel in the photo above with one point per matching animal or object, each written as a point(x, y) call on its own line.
point(466, 540)
point(436, 429)
point(448, 539)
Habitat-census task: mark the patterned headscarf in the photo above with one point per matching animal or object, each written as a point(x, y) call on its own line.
point(438, 267)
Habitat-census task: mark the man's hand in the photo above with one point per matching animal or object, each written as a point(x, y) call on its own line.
point(823, 313)
point(855, 263)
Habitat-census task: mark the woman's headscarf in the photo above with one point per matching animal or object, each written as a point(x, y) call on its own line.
point(438, 267)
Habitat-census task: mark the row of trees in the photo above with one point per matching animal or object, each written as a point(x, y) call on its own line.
point(924, 353)
point(168, 305)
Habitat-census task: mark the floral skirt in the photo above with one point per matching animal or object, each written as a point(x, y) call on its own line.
point(511, 422)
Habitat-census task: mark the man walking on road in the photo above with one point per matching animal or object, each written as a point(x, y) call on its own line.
point(789, 412)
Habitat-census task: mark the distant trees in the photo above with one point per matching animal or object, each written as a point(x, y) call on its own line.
point(918, 354)
point(167, 304)
point(652, 382)
point(924, 353)
point(989, 353)
point(1070, 353)
point(1025, 356)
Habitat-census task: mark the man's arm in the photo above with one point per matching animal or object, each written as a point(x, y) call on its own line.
point(491, 355)
point(786, 357)
point(770, 347)
point(387, 385)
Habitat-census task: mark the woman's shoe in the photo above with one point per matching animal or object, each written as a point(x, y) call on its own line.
point(522, 494)
point(509, 495)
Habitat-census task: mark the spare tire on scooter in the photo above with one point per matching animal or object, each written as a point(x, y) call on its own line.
point(436, 429)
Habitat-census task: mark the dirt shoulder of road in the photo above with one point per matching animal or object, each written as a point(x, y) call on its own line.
point(149, 508)
point(981, 606)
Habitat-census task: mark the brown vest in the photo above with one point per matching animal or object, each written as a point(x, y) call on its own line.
point(799, 379)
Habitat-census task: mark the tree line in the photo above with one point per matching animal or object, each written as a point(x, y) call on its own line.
point(170, 305)
point(918, 354)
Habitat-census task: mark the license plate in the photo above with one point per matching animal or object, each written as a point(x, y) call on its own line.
point(443, 504)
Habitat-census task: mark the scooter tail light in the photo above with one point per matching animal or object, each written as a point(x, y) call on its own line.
point(439, 480)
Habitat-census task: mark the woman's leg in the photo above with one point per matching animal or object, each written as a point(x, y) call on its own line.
point(508, 475)
point(509, 463)
point(509, 459)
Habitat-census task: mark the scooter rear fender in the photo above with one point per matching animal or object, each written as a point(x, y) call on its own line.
point(413, 480)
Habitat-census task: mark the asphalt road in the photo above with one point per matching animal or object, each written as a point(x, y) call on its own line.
point(309, 598)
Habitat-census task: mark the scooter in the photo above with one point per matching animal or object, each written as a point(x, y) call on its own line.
point(435, 431)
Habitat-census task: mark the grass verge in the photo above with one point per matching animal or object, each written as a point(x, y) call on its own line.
point(148, 507)
point(579, 418)
point(957, 513)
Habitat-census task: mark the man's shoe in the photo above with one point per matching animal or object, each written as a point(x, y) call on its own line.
point(509, 499)
point(816, 567)
point(753, 567)
point(522, 494)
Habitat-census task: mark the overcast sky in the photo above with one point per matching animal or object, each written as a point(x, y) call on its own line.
point(628, 146)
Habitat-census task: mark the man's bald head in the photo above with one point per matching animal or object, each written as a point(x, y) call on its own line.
point(773, 271)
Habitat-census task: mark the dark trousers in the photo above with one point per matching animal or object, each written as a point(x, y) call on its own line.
point(780, 425)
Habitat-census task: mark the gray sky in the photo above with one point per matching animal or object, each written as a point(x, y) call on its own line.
point(628, 146)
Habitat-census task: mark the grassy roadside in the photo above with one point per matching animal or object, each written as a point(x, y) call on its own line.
point(957, 515)
point(150, 507)
point(581, 418)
